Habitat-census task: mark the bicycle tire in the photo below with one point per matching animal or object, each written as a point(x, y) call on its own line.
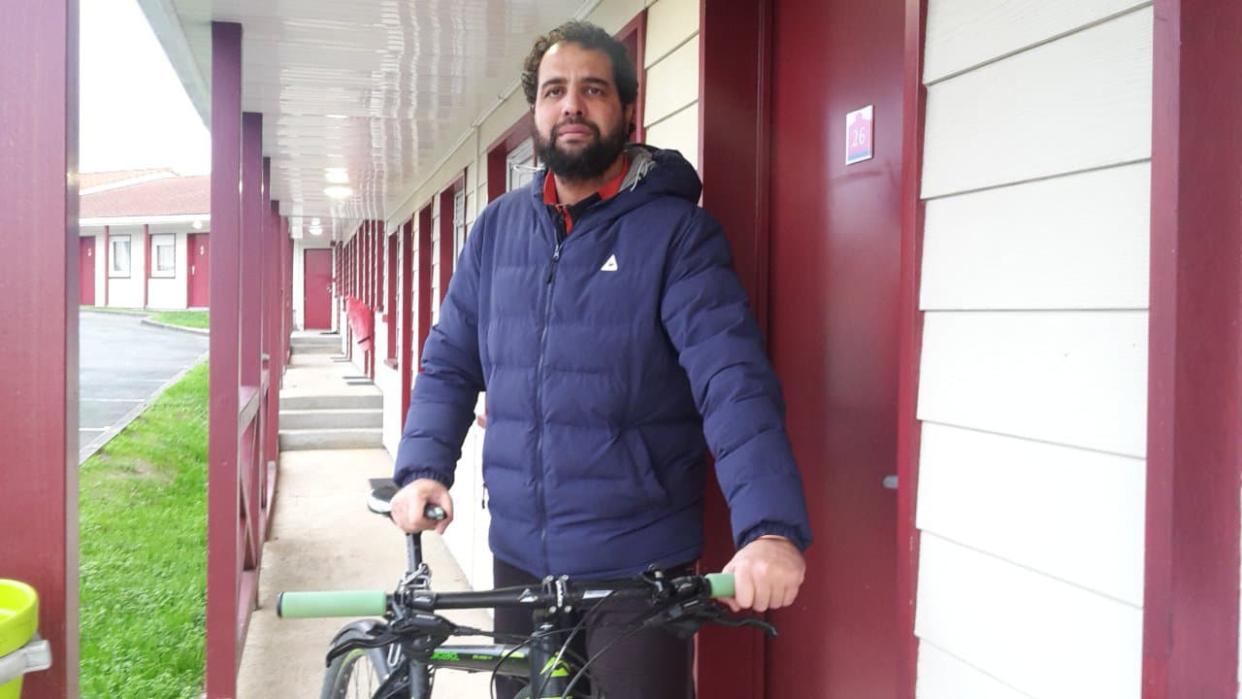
point(358, 673)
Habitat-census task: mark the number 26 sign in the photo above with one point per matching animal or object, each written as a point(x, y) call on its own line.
point(859, 135)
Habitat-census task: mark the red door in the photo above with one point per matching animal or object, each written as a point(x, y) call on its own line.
point(318, 290)
point(86, 270)
point(833, 309)
point(199, 292)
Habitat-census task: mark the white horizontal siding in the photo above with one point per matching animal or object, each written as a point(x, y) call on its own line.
point(1043, 637)
point(1075, 378)
point(942, 676)
point(669, 24)
point(679, 132)
point(1083, 101)
point(1075, 514)
point(673, 83)
point(1080, 241)
point(962, 34)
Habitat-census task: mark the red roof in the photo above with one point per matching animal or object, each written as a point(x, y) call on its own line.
point(168, 196)
point(89, 180)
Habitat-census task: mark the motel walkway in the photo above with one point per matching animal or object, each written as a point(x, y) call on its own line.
point(323, 538)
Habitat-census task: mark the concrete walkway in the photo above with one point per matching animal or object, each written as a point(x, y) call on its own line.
point(323, 538)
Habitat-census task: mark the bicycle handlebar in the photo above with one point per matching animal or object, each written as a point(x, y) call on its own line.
point(318, 605)
point(355, 603)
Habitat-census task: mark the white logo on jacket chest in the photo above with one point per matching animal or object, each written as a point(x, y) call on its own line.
point(610, 265)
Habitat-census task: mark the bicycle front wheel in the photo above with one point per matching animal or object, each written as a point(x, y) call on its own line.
point(358, 673)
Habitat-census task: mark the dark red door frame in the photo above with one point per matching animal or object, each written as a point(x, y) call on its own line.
point(634, 36)
point(910, 332)
point(447, 209)
point(390, 306)
point(424, 277)
point(39, 329)
point(1194, 456)
point(498, 153)
point(408, 354)
point(734, 57)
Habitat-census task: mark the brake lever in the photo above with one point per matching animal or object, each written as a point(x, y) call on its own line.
point(377, 641)
point(685, 619)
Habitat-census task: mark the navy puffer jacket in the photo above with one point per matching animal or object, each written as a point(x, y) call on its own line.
point(607, 359)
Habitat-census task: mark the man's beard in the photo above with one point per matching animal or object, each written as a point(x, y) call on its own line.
point(588, 163)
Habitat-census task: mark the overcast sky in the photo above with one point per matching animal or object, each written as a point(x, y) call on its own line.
point(134, 112)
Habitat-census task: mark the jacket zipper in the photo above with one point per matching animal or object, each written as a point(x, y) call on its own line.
point(540, 491)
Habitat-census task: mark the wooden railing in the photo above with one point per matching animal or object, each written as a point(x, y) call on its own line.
point(250, 323)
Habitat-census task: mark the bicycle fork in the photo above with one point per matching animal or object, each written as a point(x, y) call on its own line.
point(551, 670)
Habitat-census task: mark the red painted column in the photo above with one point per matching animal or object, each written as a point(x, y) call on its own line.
point(39, 322)
point(223, 554)
point(253, 210)
point(1194, 454)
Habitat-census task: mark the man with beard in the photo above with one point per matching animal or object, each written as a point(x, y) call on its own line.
point(599, 310)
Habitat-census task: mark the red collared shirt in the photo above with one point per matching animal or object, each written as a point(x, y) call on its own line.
point(572, 211)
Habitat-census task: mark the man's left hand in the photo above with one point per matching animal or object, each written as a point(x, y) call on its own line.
point(767, 573)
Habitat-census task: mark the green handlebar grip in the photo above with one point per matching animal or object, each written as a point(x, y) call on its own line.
point(314, 605)
point(721, 584)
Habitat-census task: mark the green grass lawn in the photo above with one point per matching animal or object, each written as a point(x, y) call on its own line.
point(185, 319)
point(144, 551)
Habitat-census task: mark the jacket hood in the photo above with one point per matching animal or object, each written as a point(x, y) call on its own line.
point(654, 173)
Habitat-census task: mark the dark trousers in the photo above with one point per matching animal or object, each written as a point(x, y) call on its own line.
point(649, 664)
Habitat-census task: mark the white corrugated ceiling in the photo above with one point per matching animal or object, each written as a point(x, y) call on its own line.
point(380, 88)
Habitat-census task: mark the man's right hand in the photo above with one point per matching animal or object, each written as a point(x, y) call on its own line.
point(409, 502)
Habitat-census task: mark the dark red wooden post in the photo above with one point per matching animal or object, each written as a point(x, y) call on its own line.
point(39, 284)
point(223, 555)
point(253, 210)
point(1194, 455)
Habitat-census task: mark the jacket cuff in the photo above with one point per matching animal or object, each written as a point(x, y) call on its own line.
point(780, 529)
point(404, 478)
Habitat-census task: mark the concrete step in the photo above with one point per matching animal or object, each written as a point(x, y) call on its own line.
point(357, 401)
point(351, 438)
point(334, 348)
point(308, 340)
point(329, 419)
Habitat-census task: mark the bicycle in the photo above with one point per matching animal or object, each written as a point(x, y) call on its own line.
point(397, 657)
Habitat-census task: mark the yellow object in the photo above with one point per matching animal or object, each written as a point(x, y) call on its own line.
point(19, 617)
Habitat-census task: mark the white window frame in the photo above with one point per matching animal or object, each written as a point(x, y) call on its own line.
point(520, 165)
point(117, 270)
point(163, 240)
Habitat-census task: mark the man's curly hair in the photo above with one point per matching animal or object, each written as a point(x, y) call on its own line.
point(587, 36)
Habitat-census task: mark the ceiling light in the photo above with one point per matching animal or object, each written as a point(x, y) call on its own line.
point(315, 221)
point(339, 192)
point(336, 175)
point(315, 230)
point(198, 225)
point(336, 116)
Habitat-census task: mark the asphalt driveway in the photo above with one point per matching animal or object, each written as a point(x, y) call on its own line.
point(123, 364)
